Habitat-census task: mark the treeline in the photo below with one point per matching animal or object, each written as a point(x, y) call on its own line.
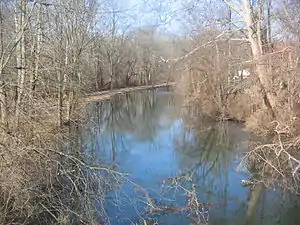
point(259, 39)
point(63, 48)
point(51, 54)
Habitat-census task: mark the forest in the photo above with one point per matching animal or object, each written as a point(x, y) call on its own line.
point(236, 60)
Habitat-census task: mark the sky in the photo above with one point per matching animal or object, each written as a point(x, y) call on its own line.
point(161, 14)
point(167, 16)
point(170, 16)
point(175, 17)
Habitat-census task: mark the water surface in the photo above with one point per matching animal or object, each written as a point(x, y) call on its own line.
point(152, 138)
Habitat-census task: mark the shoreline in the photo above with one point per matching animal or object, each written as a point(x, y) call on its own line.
point(103, 95)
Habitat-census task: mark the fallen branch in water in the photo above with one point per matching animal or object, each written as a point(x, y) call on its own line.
point(277, 162)
point(166, 209)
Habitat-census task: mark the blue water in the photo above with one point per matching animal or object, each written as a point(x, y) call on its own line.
point(152, 138)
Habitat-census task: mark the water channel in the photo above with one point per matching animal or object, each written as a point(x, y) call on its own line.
point(151, 138)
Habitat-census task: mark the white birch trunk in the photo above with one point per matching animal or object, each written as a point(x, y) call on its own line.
point(34, 75)
point(3, 105)
point(20, 27)
point(261, 68)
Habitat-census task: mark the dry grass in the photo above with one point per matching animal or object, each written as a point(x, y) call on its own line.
point(206, 87)
point(44, 176)
point(278, 159)
point(260, 122)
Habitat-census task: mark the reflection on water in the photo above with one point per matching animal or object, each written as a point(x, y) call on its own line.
point(147, 136)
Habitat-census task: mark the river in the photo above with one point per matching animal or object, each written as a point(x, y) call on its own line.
point(165, 154)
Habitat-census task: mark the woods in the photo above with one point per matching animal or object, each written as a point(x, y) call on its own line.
point(67, 48)
point(250, 36)
point(53, 53)
point(235, 60)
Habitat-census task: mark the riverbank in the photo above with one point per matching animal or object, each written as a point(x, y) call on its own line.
point(42, 161)
point(150, 136)
point(102, 95)
point(47, 165)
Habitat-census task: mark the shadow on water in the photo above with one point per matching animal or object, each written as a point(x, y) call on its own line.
point(149, 136)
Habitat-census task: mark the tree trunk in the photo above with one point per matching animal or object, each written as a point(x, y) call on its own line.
point(269, 32)
point(70, 105)
point(253, 203)
point(99, 75)
point(149, 77)
point(111, 73)
point(261, 68)
point(127, 75)
point(65, 78)
point(34, 75)
point(20, 27)
point(259, 25)
point(229, 43)
point(3, 103)
point(60, 98)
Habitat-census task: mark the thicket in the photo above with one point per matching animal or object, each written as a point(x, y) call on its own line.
point(51, 54)
point(54, 52)
point(261, 38)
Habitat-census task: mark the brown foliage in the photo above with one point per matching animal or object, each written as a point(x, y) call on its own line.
point(260, 122)
point(207, 83)
point(43, 177)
